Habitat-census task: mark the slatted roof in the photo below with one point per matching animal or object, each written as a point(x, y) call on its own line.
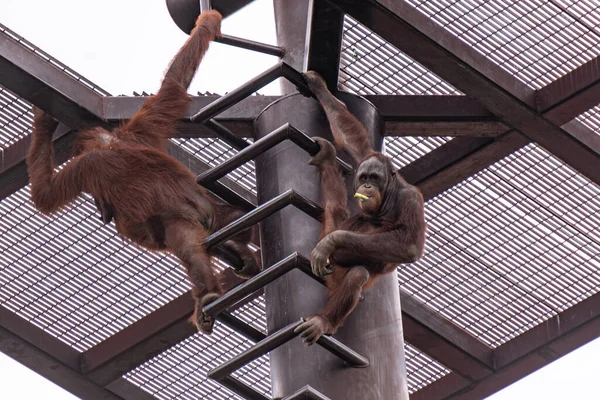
point(537, 41)
point(512, 247)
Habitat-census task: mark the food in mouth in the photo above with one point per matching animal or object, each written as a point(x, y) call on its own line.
point(361, 196)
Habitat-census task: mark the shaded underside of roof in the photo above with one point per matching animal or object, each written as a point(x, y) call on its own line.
point(514, 245)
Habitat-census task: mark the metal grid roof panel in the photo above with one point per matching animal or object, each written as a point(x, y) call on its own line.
point(15, 118)
point(588, 11)
point(510, 247)
point(370, 65)
point(181, 372)
point(591, 119)
point(421, 370)
point(537, 41)
point(75, 278)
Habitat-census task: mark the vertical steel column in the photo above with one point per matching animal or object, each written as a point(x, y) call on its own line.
point(375, 328)
point(291, 24)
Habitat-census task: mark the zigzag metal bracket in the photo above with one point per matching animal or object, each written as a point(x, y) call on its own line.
point(284, 132)
point(290, 197)
point(306, 393)
point(218, 309)
point(222, 103)
point(239, 293)
point(223, 373)
point(253, 217)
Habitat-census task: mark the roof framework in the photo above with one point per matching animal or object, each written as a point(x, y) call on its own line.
point(492, 110)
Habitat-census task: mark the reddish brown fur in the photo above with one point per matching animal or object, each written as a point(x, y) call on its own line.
point(155, 199)
point(360, 249)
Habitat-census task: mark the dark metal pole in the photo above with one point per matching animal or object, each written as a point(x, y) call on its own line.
point(374, 329)
point(280, 134)
point(291, 23)
point(226, 135)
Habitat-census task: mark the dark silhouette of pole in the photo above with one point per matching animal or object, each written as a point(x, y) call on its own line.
point(374, 329)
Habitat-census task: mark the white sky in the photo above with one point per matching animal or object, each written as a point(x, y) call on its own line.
point(125, 46)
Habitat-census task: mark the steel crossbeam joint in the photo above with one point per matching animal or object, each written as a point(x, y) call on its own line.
point(284, 132)
point(223, 372)
point(265, 210)
point(280, 70)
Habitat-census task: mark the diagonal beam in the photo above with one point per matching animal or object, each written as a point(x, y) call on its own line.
point(140, 341)
point(47, 356)
point(128, 391)
point(36, 80)
point(538, 347)
point(458, 159)
point(439, 389)
point(475, 75)
point(445, 341)
point(572, 94)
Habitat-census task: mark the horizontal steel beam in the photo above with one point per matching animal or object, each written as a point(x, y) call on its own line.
point(238, 118)
point(13, 174)
point(436, 116)
point(435, 129)
point(438, 108)
point(402, 115)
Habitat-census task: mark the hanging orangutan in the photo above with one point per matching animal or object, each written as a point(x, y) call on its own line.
point(153, 198)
